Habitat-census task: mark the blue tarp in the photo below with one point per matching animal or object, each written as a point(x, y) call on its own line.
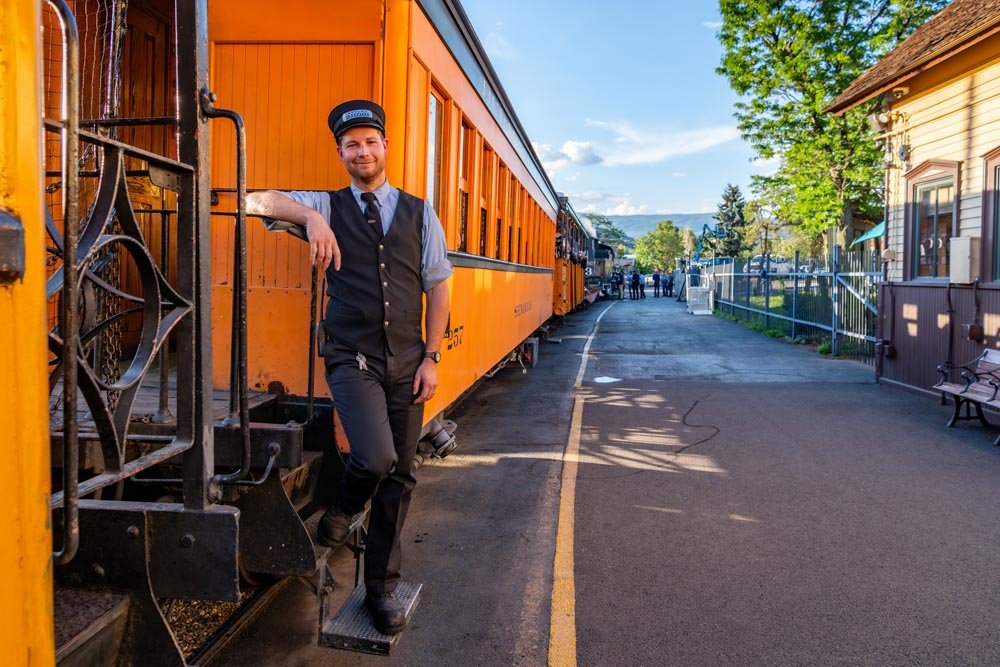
point(873, 233)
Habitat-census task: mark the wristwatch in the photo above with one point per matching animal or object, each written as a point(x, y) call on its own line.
point(433, 356)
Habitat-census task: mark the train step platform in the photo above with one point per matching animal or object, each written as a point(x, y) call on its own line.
point(89, 626)
point(351, 627)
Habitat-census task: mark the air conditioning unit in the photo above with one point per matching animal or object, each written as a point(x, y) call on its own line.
point(963, 255)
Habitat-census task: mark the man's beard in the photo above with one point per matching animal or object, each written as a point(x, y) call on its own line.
point(376, 177)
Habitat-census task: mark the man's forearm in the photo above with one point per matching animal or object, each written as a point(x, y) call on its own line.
point(275, 205)
point(437, 315)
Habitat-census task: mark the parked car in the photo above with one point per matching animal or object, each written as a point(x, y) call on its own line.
point(778, 264)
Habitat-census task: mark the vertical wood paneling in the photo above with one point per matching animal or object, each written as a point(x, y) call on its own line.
point(284, 93)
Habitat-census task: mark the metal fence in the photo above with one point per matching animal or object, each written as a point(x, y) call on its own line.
point(830, 300)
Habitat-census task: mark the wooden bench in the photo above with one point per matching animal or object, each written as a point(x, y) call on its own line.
point(980, 387)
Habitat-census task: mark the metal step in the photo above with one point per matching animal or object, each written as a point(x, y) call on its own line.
point(351, 628)
point(89, 626)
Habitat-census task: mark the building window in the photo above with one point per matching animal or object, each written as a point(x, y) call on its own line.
point(932, 225)
point(991, 216)
point(932, 218)
point(435, 137)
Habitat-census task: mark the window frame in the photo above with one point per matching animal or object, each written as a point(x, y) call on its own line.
point(435, 138)
point(926, 173)
point(466, 171)
point(990, 250)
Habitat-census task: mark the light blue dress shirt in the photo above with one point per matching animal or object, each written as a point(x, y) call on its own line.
point(434, 265)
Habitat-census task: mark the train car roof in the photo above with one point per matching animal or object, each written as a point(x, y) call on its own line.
point(453, 25)
point(582, 223)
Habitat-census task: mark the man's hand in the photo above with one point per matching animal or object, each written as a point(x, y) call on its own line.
point(425, 382)
point(323, 246)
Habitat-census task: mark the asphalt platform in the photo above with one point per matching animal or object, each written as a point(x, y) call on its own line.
point(739, 501)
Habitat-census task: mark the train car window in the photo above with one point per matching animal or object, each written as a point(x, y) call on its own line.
point(465, 143)
point(513, 186)
point(435, 148)
point(482, 231)
point(503, 185)
point(486, 186)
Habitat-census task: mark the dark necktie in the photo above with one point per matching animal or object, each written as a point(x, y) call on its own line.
point(371, 212)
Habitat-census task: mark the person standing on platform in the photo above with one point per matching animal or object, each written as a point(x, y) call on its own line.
point(633, 286)
point(656, 283)
point(670, 284)
point(383, 250)
point(642, 285)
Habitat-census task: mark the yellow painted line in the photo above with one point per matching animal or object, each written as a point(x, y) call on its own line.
point(562, 619)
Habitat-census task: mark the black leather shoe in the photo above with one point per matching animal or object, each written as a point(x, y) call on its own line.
point(387, 612)
point(334, 527)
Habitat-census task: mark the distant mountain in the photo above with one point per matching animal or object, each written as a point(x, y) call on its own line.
point(637, 225)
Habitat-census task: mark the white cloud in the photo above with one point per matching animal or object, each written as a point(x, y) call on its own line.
point(498, 47)
point(678, 174)
point(766, 167)
point(606, 203)
point(576, 153)
point(712, 25)
point(645, 146)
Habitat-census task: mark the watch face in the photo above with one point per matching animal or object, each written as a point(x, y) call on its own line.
point(435, 356)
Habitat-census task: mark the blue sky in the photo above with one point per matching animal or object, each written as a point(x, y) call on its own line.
point(621, 99)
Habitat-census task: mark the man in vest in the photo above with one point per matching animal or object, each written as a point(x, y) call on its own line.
point(382, 250)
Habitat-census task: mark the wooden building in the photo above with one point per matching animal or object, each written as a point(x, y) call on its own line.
point(937, 111)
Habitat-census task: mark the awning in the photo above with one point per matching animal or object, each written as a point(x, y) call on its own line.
point(873, 233)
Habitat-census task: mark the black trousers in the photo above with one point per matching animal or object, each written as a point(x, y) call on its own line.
point(382, 425)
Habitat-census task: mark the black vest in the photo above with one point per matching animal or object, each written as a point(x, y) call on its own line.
point(376, 299)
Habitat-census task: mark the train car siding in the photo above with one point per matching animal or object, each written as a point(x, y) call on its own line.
point(444, 144)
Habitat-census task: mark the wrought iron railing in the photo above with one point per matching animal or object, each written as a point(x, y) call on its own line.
point(84, 247)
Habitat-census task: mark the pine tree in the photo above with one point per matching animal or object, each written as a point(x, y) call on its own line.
point(729, 232)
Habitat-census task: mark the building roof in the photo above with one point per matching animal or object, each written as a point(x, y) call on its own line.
point(955, 28)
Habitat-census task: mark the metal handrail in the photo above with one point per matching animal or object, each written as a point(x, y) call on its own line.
point(70, 200)
point(239, 411)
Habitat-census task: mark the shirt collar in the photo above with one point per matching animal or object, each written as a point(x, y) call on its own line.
point(381, 192)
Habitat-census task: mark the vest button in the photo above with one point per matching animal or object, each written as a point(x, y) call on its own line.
point(385, 284)
point(386, 323)
point(382, 265)
point(386, 304)
point(381, 247)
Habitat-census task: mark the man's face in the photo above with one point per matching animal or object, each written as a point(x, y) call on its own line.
point(362, 150)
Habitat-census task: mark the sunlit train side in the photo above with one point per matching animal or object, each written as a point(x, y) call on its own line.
point(453, 138)
point(573, 238)
point(149, 439)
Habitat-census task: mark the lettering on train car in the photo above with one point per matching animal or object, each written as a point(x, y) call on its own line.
point(454, 336)
point(522, 308)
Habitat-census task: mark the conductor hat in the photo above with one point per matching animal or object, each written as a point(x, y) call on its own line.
point(356, 113)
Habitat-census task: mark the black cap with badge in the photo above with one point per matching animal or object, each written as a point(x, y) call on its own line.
point(356, 113)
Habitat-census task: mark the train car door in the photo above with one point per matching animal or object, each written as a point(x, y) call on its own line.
point(282, 75)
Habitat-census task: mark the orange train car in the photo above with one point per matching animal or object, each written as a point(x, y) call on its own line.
point(143, 404)
point(453, 139)
point(574, 238)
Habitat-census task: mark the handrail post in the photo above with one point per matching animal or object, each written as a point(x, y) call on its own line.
point(239, 410)
point(163, 413)
point(68, 316)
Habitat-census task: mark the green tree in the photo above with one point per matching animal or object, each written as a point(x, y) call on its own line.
point(656, 249)
point(728, 241)
point(788, 59)
point(610, 234)
point(763, 230)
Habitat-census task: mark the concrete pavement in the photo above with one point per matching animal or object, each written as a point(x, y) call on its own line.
point(738, 501)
